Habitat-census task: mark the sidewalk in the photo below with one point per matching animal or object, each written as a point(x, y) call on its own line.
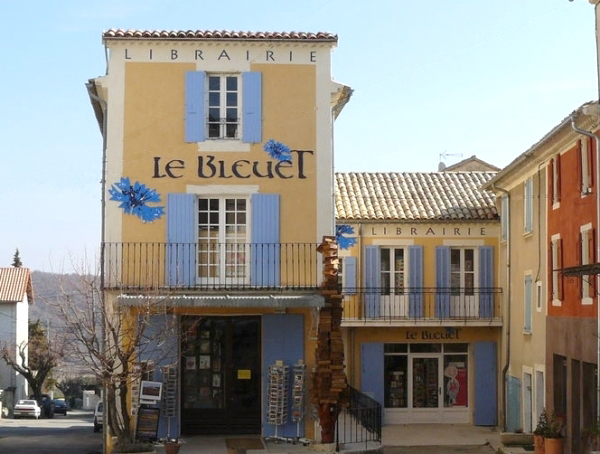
point(392, 435)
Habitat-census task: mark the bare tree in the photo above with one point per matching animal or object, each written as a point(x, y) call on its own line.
point(110, 338)
point(36, 358)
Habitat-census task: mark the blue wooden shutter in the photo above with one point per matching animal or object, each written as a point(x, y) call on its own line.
point(349, 275)
point(372, 370)
point(486, 281)
point(415, 281)
point(282, 340)
point(372, 281)
point(486, 406)
point(181, 239)
point(252, 107)
point(194, 106)
point(265, 248)
point(442, 281)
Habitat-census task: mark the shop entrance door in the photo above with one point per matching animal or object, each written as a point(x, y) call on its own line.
point(426, 387)
point(220, 390)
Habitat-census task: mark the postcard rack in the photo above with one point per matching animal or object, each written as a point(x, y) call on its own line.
point(277, 411)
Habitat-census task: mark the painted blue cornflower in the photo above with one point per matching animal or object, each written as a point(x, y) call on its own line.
point(278, 150)
point(134, 199)
point(344, 241)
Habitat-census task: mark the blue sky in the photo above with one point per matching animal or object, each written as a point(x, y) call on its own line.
point(463, 77)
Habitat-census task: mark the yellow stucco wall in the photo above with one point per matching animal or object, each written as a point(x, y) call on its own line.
point(154, 128)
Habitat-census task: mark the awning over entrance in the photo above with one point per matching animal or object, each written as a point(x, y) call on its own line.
point(268, 301)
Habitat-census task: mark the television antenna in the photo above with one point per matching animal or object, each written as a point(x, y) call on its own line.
point(443, 155)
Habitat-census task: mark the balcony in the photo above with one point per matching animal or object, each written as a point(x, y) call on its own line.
point(423, 306)
point(211, 266)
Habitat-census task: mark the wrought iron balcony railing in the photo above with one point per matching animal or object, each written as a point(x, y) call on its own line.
point(422, 304)
point(209, 265)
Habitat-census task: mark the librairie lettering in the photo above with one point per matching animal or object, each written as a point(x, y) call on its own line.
point(222, 55)
point(208, 166)
point(448, 334)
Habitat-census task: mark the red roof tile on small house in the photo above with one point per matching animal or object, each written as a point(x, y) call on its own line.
point(15, 283)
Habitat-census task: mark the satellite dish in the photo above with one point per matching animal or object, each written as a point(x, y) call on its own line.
point(441, 166)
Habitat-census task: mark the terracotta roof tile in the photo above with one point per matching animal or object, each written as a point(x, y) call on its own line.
point(212, 35)
point(15, 283)
point(415, 196)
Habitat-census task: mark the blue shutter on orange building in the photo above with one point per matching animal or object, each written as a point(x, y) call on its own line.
point(442, 281)
point(415, 281)
point(372, 281)
point(194, 106)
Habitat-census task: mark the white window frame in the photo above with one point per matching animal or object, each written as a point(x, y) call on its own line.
point(223, 107)
point(555, 239)
point(222, 277)
point(528, 303)
point(539, 297)
point(586, 231)
point(586, 184)
point(528, 205)
point(392, 271)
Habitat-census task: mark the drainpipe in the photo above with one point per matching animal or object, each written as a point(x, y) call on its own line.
point(597, 183)
point(508, 304)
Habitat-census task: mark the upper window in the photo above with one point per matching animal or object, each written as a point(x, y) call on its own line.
point(223, 106)
point(393, 270)
point(223, 120)
point(528, 205)
point(462, 271)
point(586, 166)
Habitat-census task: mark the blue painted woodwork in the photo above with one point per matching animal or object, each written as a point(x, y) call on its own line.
point(181, 239)
point(252, 107)
point(372, 281)
point(349, 275)
point(442, 281)
point(486, 281)
point(415, 281)
point(195, 118)
point(486, 400)
point(265, 249)
point(282, 340)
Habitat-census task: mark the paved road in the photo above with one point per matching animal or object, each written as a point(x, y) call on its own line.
point(71, 434)
point(481, 449)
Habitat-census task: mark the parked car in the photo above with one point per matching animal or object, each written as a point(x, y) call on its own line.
point(47, 405)
point(98, 413)
point(61, 406)
point(27, 407)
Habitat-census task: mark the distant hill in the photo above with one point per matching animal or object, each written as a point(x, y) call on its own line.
point(48, 290)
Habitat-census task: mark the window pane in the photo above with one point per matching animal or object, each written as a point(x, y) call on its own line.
point(232, 99)
point(202, 218)
point(385, 283)
point(385, 260)
point(456, 374)
point(469, 254)
point(214, 83)
point(214, 204)
point(455, 259)
point(241, 218)
point(398, 259)
point(214, 99)
point(230, 204)
point(232, 116)
point(456, 348)
point(426, 348)
point(214, 130)
point(203, 204)
point(399, 281)
point(214, 218)
point(396, 387)
point(395, 348)
point(231, 130)
point(230, 218)
point(214, 115)
point(241, 204)
point(232, 83)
